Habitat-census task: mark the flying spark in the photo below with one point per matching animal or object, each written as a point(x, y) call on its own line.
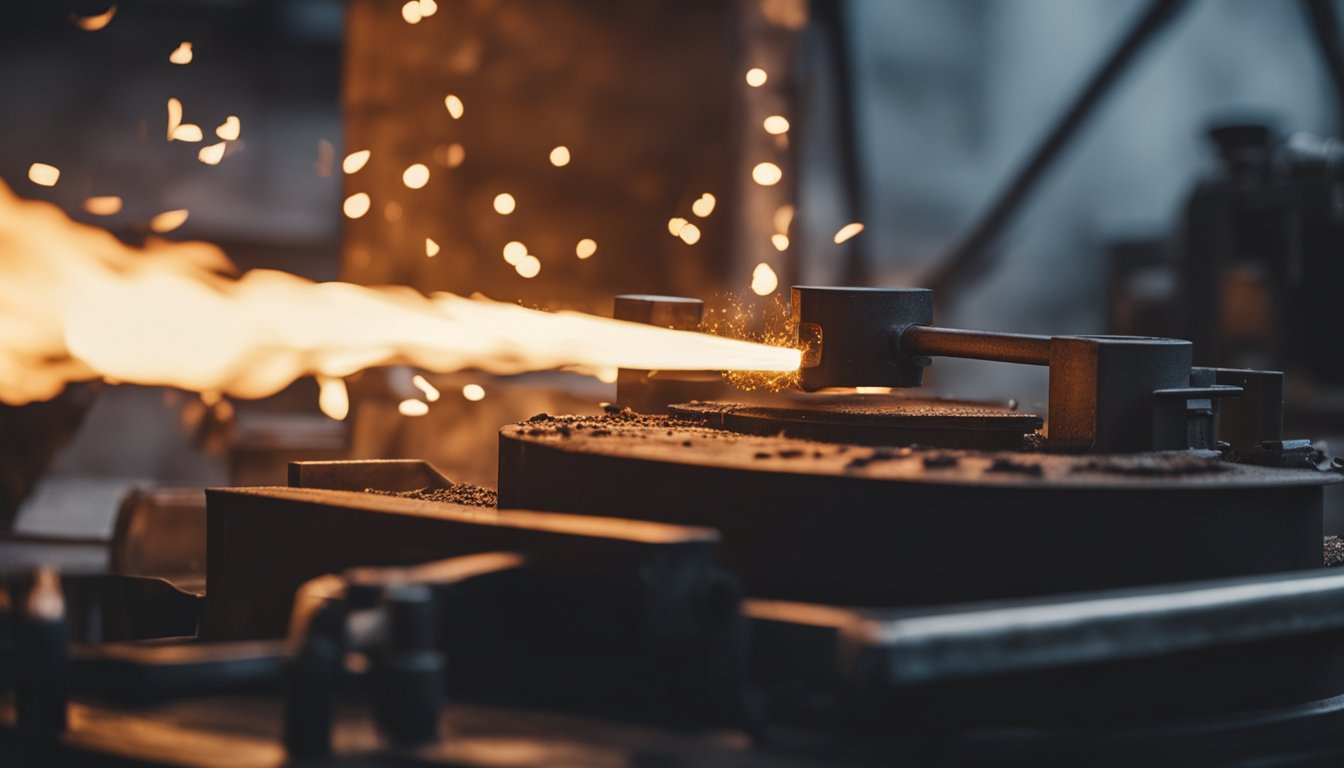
point(560, 156)
point(354, 161)
point(756, 77)
point(181, 54)
point(473, 392)
point(103, 205)
point(415, 176)
point(174, 116)
point(356, 205)
point(766, 174)
point(188, 132)
point(431, 248)
point(430, 391)
point(529, 266)
point(514, 252)
point(703, 206)
point(454, 105)
point(776, 124)
point(412, 408)
point(212, 154)
point(848, 231)
point(43, 174)
point(689, 234)
point(168, 221)
point(586, 248)
point(230, 129)
point(763, 280)
point(95, 23)
point(504, 203)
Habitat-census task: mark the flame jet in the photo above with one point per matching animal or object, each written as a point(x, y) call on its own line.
point(77, 304)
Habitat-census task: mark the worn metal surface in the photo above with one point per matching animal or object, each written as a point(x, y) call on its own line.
point(852, 525)
point(263, 543)
point(847, 335)
point(870, 420)
point(357, 475)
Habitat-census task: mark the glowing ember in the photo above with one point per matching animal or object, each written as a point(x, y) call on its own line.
point(675, 225)
point(356, 205)
point(456, 154)
point(181, 54)
point(873, 390)
point(766, 174)
point(187, 132)
point(776, 124)
point(77, 304)
point(756, 77)
point(212, 154)
point(454, 105)
point(95, 23)
point(332, 397)
point(473, 392)
point(431, 248)
point(430, 391)
point(416, 176)
point(514, 252)
point(412, 408)
point(174, 116)
point(586, 248)
point(560, 156)
point(781, 242)
point(763, 280)
point(168, 221)
point(103, 205)
point(848, 231)
point(43, 174)
point(230, 129)
point(783, 218)
point(505, 204)
point(689, 234)
point(529, 266)
point(703, 206)
point(412, 12)
point(354, 161)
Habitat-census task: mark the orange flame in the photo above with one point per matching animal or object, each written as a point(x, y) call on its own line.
point(77, 304)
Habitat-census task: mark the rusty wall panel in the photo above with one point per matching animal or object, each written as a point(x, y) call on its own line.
point(643, 92)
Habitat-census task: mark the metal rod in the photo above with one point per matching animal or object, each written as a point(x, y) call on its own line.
point(970, 253)
point(929, 341)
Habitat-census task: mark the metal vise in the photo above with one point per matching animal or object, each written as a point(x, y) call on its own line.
point(1107, 393)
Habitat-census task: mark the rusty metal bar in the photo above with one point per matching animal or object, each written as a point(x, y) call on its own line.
point(928, 341)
